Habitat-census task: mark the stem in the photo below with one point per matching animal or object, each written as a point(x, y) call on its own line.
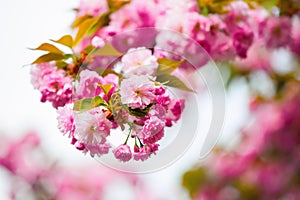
point(127, 138)
point(135, 143)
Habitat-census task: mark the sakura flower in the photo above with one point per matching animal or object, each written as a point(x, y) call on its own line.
point(123, 153)
point(53, 83)
point(277, 31)
point(66, 120)
point(139, 61)
point(197, 26)
point(144, 152)
point(295, 45)
point(242, 40)
point(160, 90)
point(98, 150)
point(88, 85)
point(80, 146)
point(158, 111)
point(92, 127)
point(153, 130)
point(137, 14)
point(258, 57)
point(175, 109)
point(163, 100)
point(137, 92)
point(92, 7)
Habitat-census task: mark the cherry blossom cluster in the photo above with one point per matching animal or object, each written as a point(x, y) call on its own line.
point(129, 97)
point(30, 173)
point(243, 32)
point(264, 165)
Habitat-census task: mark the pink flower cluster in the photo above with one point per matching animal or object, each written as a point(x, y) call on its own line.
point(227, 36)
point(133, 99)
point(24, 161)
point(55, 86)
point(266, 162)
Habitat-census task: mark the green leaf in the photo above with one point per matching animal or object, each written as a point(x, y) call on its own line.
point(269, 4)
point(115, 5)
point(167, 66)
point(49, 57)
point(88, 103)
point(61, 64)
point(80, 20)
point(107, 50)
point(194, 179)
point(66, 40)
point(173, 81)
point(48, 47)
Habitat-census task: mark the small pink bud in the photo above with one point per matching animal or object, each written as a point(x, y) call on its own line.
point(123, 153)
point(79, 145)
point(98, 42)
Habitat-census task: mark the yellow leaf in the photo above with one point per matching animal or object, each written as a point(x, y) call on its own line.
point(48, 47)
point(106, 88)
point(80, 20)
point(167, 66)
point(107, 50)
point(84, 28)
point(66, 40)
point(49, 57)
point(115, 5)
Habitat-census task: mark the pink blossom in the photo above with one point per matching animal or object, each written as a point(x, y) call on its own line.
point(98, 42)
point(175, 109)
point(158, 111)
point(92, 127)
point(242, 40)
point(163, 100)
point(144, 152)
point(66, 120)
point(237, 15)
point(231, 165)
point(137, 14)
point(277, 31)
point(12, 157)
point(88, 85)
point(295, 45)
point(273, 177)
point(53, 83)
point(174, 14)
point(80, 146)
point(139, 61)
point(153, 130)
point(197, 26)
point(258, 57)
point(123, 153)
point(92, 7)
point(137, 92)
point(98, 150)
